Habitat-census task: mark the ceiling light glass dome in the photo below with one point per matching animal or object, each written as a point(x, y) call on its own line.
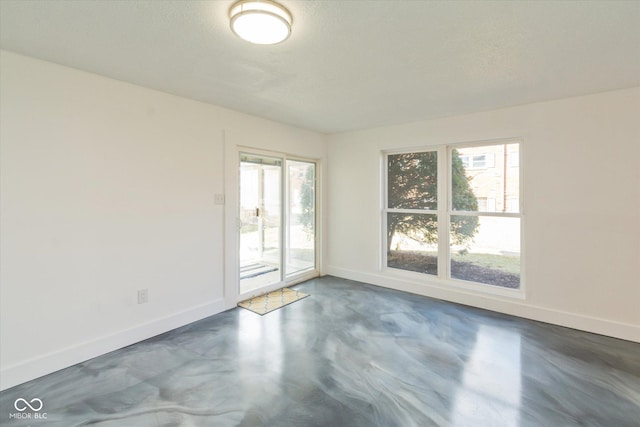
point(260, 21)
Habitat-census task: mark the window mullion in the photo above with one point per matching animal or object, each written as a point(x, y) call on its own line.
point(443, 215)
point(483, 213)
point(410, 211)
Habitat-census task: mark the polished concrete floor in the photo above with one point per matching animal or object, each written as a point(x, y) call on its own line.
point(350, 355)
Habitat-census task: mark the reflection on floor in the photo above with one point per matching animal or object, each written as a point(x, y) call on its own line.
point(350, 355)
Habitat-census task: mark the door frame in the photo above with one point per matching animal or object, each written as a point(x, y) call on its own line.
point(232, 222)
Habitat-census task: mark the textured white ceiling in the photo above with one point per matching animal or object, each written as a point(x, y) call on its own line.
point(348, 64)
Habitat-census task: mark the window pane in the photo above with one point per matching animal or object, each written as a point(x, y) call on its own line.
point(486, 178)
point(413, 180)
point(412, 242)
point(480, 161)
point(486, 250)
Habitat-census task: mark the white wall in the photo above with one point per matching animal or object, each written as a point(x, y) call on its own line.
point(107, 188)
point(582, 208)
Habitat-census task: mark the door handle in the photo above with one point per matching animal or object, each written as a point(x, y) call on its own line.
point(257, 211)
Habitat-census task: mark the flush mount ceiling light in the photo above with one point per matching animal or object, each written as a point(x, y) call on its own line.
point(260, 21)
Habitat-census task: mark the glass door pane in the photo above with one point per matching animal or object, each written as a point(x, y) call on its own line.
point(301, 217)
point(260, 222)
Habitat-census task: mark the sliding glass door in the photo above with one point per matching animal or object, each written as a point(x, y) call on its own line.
point(277, 219)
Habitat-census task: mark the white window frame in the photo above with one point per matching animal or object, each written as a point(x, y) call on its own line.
point(444, 212)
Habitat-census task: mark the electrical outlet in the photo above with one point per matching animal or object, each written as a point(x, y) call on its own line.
point(218, 199)
point(143, 296)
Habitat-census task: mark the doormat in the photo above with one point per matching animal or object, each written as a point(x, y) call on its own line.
point(264, 304)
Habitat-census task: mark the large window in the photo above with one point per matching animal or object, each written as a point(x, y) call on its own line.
point(454, 213)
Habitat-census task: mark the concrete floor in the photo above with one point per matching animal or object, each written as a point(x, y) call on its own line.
point(349, 355)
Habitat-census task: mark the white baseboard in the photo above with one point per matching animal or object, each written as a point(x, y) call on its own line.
point(42, 365)
point(512, 307)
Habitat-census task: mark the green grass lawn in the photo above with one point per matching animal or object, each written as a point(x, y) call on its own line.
point(508, 264)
